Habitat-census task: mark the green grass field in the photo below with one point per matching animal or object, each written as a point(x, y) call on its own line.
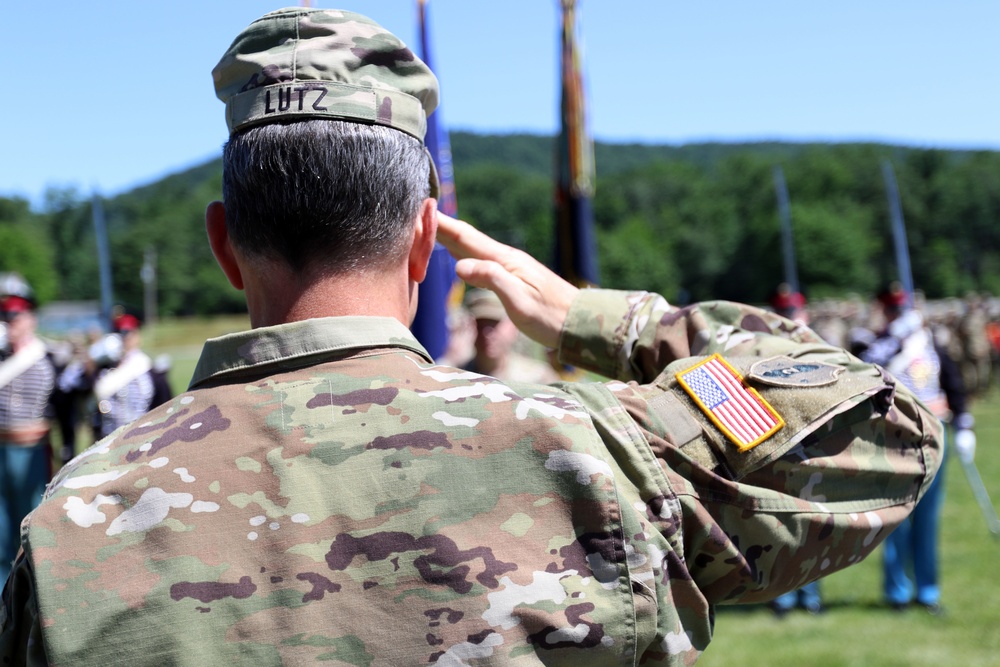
point(856, 630)
point(182, 339)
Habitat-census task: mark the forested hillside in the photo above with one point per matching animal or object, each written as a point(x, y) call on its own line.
point(692, 222)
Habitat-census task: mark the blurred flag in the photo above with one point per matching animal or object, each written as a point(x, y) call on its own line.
point(787, 239)
point(576, 246)
point(430, 325)
point(898, 232)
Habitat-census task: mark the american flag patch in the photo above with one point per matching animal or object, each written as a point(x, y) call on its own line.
point(738, 410)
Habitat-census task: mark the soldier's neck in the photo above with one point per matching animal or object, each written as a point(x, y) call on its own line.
point(279, 296)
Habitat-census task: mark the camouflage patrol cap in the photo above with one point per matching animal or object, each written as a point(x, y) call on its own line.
point(484, 304)
point(300, 63)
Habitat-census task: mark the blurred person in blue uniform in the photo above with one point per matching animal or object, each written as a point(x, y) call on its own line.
point(906, 348)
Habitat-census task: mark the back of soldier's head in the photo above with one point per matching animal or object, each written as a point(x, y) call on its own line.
point(325, 167)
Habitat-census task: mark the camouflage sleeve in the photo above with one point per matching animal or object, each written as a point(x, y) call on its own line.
point(20, 622)
point(634, 335)
point(850, 455)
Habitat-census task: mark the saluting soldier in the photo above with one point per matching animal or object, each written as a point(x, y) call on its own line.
point(326, 491)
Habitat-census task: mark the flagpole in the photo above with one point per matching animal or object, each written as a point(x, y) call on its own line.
point(103, 256)
point(898, 231)
point(576, 245)
point(787, 240)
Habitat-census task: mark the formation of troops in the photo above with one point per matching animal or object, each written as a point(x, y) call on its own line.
point(967, 329)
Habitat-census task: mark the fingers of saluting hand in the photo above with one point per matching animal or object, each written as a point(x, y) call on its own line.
point(463, 240)
point(488, 263)
point(535, 298)
point(466, 242)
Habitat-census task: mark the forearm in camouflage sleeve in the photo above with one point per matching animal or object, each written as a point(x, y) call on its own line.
point(811, 508)
point(634, 335)
point(853, 456)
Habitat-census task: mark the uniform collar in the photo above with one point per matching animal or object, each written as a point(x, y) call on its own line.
point(233, 357)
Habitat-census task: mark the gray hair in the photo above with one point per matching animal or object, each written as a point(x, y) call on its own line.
point(323, 195)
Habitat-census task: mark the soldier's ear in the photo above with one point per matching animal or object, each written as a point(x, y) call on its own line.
point(424, 238)
point(221, 244)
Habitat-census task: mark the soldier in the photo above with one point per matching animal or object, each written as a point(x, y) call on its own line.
point(325, 491)
point(496, 336)
point(791, 304)
point(975, 345)
point(993, 336)
point(72, 390)
point(27, 376)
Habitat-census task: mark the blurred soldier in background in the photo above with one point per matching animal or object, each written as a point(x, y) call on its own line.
point(496, 336)
point(831, 320)
point(74, 382)
point(27, 376)
point(461, 337)
point(993, 336)
point(791, 305)
point(975, 345)
point(905, 347)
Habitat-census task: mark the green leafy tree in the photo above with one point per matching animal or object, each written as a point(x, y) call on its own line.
point(24, 249)
point(835, 244)
point(68, 222)
point(634, 256)
point(513, 207)
point(698, 221)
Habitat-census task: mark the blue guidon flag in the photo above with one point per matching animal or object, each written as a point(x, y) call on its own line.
point(738, 410)
point(430, 324)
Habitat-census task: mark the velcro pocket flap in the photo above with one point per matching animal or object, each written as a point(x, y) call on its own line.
point(735, 429)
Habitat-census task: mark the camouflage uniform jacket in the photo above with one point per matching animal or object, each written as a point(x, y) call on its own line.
point(326, 492)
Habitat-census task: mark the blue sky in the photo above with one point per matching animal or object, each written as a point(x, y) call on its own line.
point(106, 95)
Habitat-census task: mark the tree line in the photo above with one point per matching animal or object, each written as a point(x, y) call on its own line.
point(691, 222)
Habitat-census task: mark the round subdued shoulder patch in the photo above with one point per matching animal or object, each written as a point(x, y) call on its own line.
point(788, 372)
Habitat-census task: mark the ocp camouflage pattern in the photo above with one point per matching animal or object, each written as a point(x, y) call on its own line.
point(299, 63)
point(326, 493)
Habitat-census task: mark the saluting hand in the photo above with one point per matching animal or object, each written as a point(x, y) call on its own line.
point(536, 299)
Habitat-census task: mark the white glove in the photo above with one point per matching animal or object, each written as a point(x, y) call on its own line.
point(906, 324)
point(965, 444)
